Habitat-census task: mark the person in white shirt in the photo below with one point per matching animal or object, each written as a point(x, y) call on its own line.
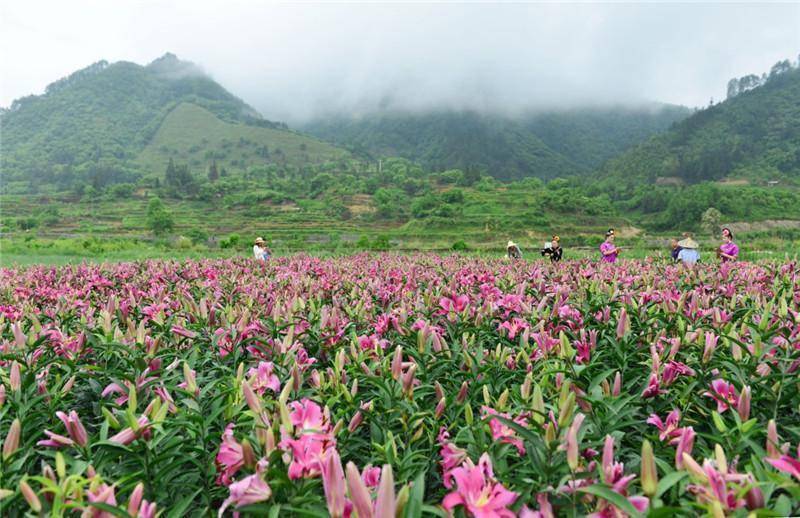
point(260, 250)
point(688, 254)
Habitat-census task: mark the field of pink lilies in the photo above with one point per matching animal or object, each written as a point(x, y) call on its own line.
point(383, 386)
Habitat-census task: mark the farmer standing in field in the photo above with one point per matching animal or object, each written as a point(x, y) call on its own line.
point(728, 251)
point(260, 250)
point(513, 251)
point(688, 254)
point(608, 251)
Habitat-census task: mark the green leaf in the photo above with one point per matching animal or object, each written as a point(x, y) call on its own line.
point(669, 480)
point(436, 511)
point(180, 507)
point(614, 498)
point(413, 508)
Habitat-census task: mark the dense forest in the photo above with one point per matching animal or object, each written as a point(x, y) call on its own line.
point(753, 135)
point(545, 145)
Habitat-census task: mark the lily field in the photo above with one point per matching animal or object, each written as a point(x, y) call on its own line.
point(389, 385)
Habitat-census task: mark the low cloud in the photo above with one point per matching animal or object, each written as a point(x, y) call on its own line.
point(296, 61)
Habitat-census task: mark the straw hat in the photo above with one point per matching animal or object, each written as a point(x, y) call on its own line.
point(688, 243)
point(510, 244)
point(556, 238)
point(259, 240)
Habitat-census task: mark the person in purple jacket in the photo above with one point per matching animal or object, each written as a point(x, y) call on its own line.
point(728, 251)
point(608, 251)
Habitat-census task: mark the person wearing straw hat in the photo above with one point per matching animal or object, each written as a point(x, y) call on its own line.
point(260, 250)
point(608, 250)
point(553, 249)
point(513, 251)
point(689, 253)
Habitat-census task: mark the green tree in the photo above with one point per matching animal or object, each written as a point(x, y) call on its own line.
point(159, 219)
point(213, 174)
point(710, 220)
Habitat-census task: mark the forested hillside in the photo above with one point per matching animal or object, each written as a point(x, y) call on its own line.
point(753, 135)
point(543, 144)
point(89, 129)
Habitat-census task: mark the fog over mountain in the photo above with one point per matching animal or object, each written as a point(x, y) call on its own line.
point(295, 62)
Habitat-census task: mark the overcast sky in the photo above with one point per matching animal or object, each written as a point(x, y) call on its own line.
point(294, 60)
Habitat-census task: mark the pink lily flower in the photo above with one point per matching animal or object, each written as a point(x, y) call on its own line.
point(103, 494)
point(249, 490)
point(452, 457)
point(263, 378)
point(724, 394)
point(230, 457)
point(457, 304)
point(307, 415)
point(74, 427)
point(503, 433)
point(668, 429)
point(653, 388)
point(478, 492)
point(787, 464)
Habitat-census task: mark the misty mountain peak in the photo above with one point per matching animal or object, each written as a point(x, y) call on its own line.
point(172, 67)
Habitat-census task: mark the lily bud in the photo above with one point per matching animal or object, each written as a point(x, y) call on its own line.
point(397, 363)
point(502, 400)
point(487, 397)
point(462, 393)
point(354, 387)
point(135, 500)
point(549, 433)
point(61, 465)
point(440, 407)
point(67, 388)
point(743, 407)
point(248, 455)
point(358, 417)
point(525, 388)
point(15, 379)
point(649, 471)
point(565, 412)
point(694, 469)
point(722, 462)
point(2, 395)
point(11, 443)
point(251, 398)
point(468, 416)
point(189, 378)
point(437, 387)
point(297, 379)
point(755, 498)
point(30, 496)
point(617, 388)
point(337, 427)
point(772, 440)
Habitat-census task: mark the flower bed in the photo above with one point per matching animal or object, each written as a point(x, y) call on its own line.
point(399, 385)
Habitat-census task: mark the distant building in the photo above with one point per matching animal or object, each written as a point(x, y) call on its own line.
point(773, 183)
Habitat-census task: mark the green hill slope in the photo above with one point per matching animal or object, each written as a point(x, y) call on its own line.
point(545, 145)
point(193, 135)
point(91, 128)
point(754, 135)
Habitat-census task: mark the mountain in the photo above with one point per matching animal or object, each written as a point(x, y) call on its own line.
point(545, 144)
point(754, 135)
point(116, 122)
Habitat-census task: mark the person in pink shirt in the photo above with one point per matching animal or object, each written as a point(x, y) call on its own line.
point(608, 251)
point(728, 251)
